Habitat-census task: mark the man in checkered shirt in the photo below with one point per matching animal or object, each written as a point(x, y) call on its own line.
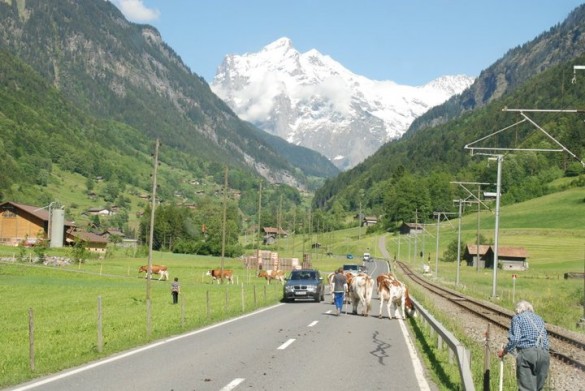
point(527, 335)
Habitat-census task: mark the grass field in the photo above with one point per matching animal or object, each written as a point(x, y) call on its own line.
point(64, 306)
point(63, 301)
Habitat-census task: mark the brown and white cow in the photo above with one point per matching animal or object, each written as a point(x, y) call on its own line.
point(272, 275)
point(161, 270)
point(217, 275)
point(395, 294)
point(330, 278)
point(360, 292)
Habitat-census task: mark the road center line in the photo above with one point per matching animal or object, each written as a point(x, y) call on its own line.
point(233, 384)
point(286, 344)
point(313, 323)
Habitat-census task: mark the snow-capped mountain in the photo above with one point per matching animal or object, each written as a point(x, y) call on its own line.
point(309, 99)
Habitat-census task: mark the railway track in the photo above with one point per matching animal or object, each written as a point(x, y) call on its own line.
point(563, 347)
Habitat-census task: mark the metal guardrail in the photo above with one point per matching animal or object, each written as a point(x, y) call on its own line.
point(443, 335)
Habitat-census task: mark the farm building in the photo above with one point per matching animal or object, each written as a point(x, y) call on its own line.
point(411, 228)
point(369, 220)
point(509, 258)
point(20, 223)
point(471, 254)
point(93, 242)
point(512, 258)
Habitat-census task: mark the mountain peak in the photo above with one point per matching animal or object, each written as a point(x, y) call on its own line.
point(281, 44)
point(309, 99)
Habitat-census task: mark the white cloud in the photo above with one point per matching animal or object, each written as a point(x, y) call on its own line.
point(136, 11)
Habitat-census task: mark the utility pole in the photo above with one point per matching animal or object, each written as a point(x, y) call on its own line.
point(224, 221)
point(438, 214)
point(150, 240)
point(259, 223)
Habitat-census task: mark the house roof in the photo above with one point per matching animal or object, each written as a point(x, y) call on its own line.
point(516, 252)
point(483, 249)
point(112, 231)
point(41, 213)
point(87, 236)
point(273, 230)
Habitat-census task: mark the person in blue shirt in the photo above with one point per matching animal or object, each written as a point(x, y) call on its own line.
point(528, 337)
point(339, 288)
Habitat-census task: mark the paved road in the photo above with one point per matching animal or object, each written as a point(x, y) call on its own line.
point(294, 346)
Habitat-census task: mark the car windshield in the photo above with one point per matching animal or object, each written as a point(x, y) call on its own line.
point(300, 275)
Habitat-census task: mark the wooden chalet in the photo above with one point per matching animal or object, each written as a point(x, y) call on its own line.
point(509, 258)
point(275, 232)
point(472, 255)
point(20, 223)
point(369, 220)
point(93, 242)
point(512, 258)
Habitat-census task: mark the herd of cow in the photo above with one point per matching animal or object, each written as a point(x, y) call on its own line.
point(360, 288)
point(391, 291)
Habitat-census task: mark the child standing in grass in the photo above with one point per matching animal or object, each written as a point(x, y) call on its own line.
point(175, 289)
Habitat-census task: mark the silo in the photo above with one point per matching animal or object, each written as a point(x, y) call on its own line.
point(57, 218)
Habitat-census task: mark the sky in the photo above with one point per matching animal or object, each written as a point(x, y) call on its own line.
point(410, 42)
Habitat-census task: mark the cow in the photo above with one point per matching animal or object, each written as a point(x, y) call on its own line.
point(216, 275)
point(395, 294)
point(330, 277)
point(161, 270)
point(272, 275)
point(385, 276)
point(360, 292)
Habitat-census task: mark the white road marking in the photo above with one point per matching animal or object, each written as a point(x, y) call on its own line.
point(418, 368)
point(233, 384)
point(286, 344)
point(313, 323)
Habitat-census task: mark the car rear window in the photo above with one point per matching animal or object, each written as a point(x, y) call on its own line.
point(350, 267)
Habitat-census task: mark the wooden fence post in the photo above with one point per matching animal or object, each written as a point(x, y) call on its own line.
point(31, 339)
point(100, 336)
point(207, 304)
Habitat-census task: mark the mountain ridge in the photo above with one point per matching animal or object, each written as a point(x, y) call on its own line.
point(119, 70)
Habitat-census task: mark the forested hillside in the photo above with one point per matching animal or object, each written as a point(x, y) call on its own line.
point(116, 70)
point(561, 44)
point(84, 94)
point(413, 175)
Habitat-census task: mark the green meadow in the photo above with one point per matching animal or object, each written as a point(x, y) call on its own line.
point(63, 302)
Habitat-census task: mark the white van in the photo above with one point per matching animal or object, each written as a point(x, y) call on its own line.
point(367, 257)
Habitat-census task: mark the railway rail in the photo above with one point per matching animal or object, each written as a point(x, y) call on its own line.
point(563, 347)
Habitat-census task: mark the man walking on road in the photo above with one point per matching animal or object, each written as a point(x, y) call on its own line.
point(339, 288)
